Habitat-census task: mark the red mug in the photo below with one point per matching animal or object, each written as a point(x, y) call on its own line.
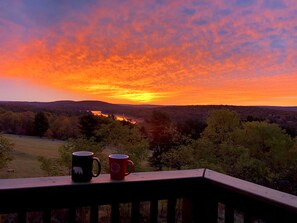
point(120, 166)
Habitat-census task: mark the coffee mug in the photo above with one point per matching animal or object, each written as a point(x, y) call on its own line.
point(119, 164)
point(82, 166)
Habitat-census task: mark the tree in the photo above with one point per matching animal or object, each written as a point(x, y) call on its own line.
point(215, 148)
point(53, 166)
point(124, 139)
point(6, 148)
point(62, 165)
point(26, 123)
point(266, 142)
point(256, 151)
point(179, 158)
point(269, 146)
point(160, 135)
point(88, 124)
point(287, 182)
point(191, 128)
point(9, 121)
point(65, 127)
point(221, 124)
point(41, 124)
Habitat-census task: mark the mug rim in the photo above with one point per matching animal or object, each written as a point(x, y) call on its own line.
point(118, 156)
point(83, 153)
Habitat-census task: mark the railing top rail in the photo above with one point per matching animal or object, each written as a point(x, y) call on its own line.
point(251, 189)
point(22, 183)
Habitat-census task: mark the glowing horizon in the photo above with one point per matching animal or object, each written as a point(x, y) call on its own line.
point(162, 52)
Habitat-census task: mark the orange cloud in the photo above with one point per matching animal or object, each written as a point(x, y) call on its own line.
point(176, 53)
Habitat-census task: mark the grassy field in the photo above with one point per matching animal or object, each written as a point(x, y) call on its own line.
point(26, 152)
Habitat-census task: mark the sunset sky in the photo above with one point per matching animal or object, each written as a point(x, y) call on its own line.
point(239, 52)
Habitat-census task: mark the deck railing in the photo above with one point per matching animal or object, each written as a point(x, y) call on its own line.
point(199, 195)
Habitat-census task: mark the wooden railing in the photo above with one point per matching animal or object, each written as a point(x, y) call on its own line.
point(199, 195)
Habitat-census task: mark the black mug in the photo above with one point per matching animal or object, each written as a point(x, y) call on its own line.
point(82, 166)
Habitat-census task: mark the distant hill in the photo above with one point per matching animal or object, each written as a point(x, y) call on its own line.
point(66, 106)
point(60, 105)
point(202, 111)
point(129, 111)
point(282, 108)
point(177, 113)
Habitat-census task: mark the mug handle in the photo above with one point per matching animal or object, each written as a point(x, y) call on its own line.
point(131, 164)
point(99, 167)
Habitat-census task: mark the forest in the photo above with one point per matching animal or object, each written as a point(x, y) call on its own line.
point(253, 148)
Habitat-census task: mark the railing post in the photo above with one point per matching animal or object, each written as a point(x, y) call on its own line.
point(154, 211)
point(46, 216)
point(247, 217)
point(205, 206)
point(94, 214)
point(115, 213)
point(171, 210)
point(22, 216)
point(135, 212)
point(71, 214)
point(229, 214)
point(199, 209)
point(188, 214)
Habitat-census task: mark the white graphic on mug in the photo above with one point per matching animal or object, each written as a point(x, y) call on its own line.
point(78, 170)
point(115, 167)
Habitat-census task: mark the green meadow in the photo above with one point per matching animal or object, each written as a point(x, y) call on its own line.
point(27, 149)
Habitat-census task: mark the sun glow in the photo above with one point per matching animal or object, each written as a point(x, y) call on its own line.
point(139, 97)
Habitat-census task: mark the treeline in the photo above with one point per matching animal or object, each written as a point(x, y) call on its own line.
point(286, 119)
point(49, 124)
point(253, 149)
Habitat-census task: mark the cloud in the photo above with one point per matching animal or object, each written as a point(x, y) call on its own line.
point(150, 51)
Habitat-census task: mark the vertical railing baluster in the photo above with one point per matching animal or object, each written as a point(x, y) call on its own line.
point(154, 211)
point(229, 214)
point(94, 214)
point(247, 218)
point(206, 208)
point(171, 210)
point(22, 216)
point(46, 216)
point(115, 213)
point(71, 214)
point(187, 210)
point(135, 212)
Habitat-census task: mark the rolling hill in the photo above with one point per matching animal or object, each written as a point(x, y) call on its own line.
point(178, 113)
